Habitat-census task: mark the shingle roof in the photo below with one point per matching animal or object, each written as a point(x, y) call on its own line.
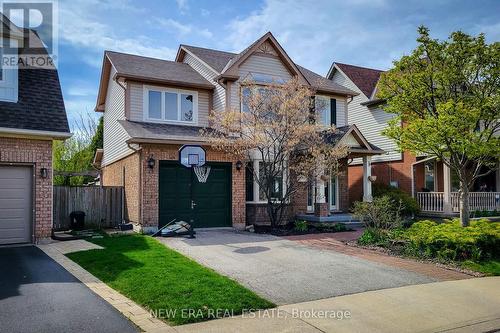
point(364, 78)
point(151, 69)
point(214, 58)
point(40, 105)
point(156, 131)
point(323, 84)
point(219, 60)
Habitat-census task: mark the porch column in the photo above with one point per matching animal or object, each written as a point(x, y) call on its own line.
point(446, 190)
point(320, 206)
point(367, 184)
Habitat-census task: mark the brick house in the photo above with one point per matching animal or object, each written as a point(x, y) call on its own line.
point(428, 180)
point(32, 115)
point(152, 107)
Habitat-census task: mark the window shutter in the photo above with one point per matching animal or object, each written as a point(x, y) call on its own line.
point(333, 111)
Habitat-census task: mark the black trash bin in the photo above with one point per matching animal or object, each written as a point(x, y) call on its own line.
point(77, 220)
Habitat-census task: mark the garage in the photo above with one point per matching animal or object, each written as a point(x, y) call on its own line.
point(15, 204)
point(208, 204)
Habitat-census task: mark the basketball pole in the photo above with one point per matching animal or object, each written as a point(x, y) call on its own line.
point(191, 221)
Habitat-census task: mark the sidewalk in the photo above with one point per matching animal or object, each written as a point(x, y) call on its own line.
point(471, 305)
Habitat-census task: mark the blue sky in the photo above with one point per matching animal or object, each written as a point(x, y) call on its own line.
point(369, 33)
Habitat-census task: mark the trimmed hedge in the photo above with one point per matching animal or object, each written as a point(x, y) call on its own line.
point(451, 241)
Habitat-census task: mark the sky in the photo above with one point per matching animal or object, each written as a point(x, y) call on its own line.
point(370, 33)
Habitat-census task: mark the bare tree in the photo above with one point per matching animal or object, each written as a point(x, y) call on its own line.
point(279, 127)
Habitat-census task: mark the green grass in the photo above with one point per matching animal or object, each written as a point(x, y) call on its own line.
point(491, 267)
point(160, 279)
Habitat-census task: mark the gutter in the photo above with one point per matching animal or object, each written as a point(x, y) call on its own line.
point(28, 132)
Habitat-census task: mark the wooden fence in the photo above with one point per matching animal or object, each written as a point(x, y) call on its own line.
point(102, 205)
point(434, 201)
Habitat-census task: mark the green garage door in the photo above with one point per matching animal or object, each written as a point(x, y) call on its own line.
point(211, 200)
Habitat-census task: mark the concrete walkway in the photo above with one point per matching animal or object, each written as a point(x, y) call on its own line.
point(471, 305)
point(287, 272)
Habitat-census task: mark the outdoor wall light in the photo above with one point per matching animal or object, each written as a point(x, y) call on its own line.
point(372, 178)
point(239, 165)
point(151, 162)
point(43, 173)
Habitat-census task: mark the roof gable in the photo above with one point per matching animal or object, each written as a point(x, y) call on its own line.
point(214, 59)
point(266, 44)
point(365, 79)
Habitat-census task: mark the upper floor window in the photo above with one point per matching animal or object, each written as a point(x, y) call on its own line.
point(246, 93)
point(170, 105)
point(326, 110)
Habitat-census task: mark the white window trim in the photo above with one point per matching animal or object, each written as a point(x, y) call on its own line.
point(163, 90)
point(10, 78)
point(256, 186)
point(328, 106)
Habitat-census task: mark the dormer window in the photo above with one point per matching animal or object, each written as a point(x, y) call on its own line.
point(170, 105)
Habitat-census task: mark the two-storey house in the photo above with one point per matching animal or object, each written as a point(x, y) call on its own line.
point(151, 107)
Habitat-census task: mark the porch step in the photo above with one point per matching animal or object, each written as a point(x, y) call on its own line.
point(347, 219)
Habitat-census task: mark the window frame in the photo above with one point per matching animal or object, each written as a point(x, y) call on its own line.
point(256, 187)
point(328, 105)
point(163, 120)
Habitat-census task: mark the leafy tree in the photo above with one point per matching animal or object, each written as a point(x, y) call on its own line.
point(278, 127)
point(446, 95)
point(77, 153)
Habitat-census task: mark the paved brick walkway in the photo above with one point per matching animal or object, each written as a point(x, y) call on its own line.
point(334, 242)
point(135, 313)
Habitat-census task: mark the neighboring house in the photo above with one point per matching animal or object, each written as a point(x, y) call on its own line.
point(151, 107)
point(428, 180)
point(32, 115)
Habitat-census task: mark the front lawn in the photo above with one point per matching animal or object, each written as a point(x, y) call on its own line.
point(160, 279)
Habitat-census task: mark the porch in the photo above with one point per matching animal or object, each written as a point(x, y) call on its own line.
point(436, 189)
point(439, 202)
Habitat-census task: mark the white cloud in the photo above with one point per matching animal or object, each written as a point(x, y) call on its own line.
point(182, 4)
point(81, 30)
point(181, 29)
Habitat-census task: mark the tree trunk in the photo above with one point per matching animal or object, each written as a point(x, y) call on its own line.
point(464, 205)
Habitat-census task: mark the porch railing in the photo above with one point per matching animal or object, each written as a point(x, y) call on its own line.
point(434, 201)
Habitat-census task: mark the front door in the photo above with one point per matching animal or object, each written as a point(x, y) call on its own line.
point(183, 197)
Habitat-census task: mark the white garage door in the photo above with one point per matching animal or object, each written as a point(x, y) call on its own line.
point(15, 204)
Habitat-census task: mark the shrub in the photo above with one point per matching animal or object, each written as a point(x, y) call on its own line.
point(300, 226)
point(485, 213)
point(383, 213)
point(451, 241)
point(373, 237)
point(409, 204)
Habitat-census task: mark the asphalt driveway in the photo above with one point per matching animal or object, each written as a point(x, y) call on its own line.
point(38, 295)
point(287, 272)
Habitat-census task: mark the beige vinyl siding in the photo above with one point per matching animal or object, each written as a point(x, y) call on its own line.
point(137, 103)
point(258, 64)
point(114, 136)
point(371, 122)
point(219, 93)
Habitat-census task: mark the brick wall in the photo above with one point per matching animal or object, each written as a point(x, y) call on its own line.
point(39, 154)
point(125, 172)
point(170, 152)
point(386, 172)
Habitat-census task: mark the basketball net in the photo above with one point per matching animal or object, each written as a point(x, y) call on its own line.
point(202, 173)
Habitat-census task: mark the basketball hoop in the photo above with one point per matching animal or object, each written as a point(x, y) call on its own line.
point(202, 173)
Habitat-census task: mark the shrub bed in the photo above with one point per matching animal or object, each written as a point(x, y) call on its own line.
point(450, 241)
